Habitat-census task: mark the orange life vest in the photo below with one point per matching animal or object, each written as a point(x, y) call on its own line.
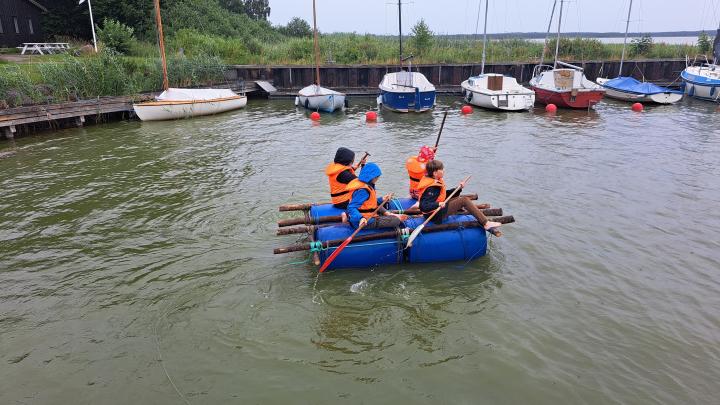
point(427, 182)
point(416, 171)
point(338, 194)
point(370, 205)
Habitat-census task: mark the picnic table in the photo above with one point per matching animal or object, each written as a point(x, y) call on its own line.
point(44, 47)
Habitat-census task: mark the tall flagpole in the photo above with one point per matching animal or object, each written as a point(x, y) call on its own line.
point(92, 23)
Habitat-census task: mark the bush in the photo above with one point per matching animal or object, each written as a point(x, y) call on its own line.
point(116, 36)
point(641, 46)
point(704, 44)
point(422, 39)
point(297, 27)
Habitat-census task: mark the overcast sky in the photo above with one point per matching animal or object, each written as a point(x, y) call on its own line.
point(459, 16)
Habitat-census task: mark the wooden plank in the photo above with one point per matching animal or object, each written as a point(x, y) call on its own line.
point(79, 109)
point(73, 114)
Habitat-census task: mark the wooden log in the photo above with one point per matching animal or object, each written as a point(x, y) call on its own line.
point(305, 207)
point(310, 229)
point(389, 234)
point(337, 218)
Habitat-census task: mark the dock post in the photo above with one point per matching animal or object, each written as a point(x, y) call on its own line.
point(10, 132)
point(79, 121)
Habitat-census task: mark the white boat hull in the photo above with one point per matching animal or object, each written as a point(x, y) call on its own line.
point(173, 110)
point(702, 81)
point(659, 98)
point(503, 100)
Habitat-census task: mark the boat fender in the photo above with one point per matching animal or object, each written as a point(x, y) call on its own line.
point(307, 103)
point(469, 96)
point(297, 101)
point(347, 103)
point(691, 92)
point(712, 91)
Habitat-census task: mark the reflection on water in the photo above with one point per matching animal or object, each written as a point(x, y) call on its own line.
point(136, 259)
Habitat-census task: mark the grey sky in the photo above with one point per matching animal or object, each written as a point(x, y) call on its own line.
point(459, 16)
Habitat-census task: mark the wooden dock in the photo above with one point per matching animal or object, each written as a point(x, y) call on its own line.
point(33, 118)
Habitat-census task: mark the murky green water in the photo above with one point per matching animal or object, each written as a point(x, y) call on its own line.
point(136, 260)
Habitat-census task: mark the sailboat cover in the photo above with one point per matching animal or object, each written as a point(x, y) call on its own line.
point(632, 85)
point(172, 94)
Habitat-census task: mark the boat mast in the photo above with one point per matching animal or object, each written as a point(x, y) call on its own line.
point(557, 43)
point(317, 48)
point(547, 34)
point(400, 30)
point(482, 66)
point(158, 21)
point(627, 26)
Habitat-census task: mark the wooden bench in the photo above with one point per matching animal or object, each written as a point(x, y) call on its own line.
point(44, 47)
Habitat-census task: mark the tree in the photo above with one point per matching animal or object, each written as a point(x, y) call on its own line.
point(116, 35)
point(257, 9)
point(235, 6)
point(297, 27)
point(642, 45)
point(422, 39)
point(704, 44)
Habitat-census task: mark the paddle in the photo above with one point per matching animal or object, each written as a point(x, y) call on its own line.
point(419, 229)
point(360, 163)
point(350, 238)
point(442, 125)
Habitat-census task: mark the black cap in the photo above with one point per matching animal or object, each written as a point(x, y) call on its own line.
point(344, 156)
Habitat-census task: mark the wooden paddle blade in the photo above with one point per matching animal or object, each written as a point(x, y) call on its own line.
point(335, 254)
point(414, 235)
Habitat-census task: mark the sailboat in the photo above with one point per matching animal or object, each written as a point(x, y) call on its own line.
point(630, 89)
point(703, 80)
point(406, 91)
point(493, 90)
point(565, 87)
point(314, 97)
point(174, 103)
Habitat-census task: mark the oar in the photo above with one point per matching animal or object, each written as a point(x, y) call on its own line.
point(360, 162)
point(350, 238)
point(442, 125)
point(419, 229)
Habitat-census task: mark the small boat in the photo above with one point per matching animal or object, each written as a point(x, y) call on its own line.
point(406, 91)
point(315, 97)
point(702, 80)
point(318, 98)
point(459, 237)
point(630, 89)
point(497, 92)
point(493, 90)
point(565, 87)
point(185, 103)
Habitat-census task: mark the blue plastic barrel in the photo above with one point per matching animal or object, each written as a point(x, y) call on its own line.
point(325, 210)
point(429, 247)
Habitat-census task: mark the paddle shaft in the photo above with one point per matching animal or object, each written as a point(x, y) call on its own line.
point(350, 238)
point(442, 125)
point(360, 162)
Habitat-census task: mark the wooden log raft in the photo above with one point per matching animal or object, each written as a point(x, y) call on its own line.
point(337, 218)
point(310, 229)
point(306, 207)
point(389, 234)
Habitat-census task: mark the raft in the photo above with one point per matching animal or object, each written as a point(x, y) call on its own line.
point(459, 238)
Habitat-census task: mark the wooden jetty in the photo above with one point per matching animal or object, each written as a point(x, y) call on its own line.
point(27, 119)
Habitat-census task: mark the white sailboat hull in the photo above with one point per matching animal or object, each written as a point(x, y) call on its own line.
point(175, 104)
point(512, 96)
point(319, 98)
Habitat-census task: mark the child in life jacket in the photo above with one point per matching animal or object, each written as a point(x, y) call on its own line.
point(432, 195)
point(340, 173)
point(415, 166)
point(364, 201)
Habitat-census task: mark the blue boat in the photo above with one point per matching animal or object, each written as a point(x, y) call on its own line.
point(702, 81)
point(406, 91)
